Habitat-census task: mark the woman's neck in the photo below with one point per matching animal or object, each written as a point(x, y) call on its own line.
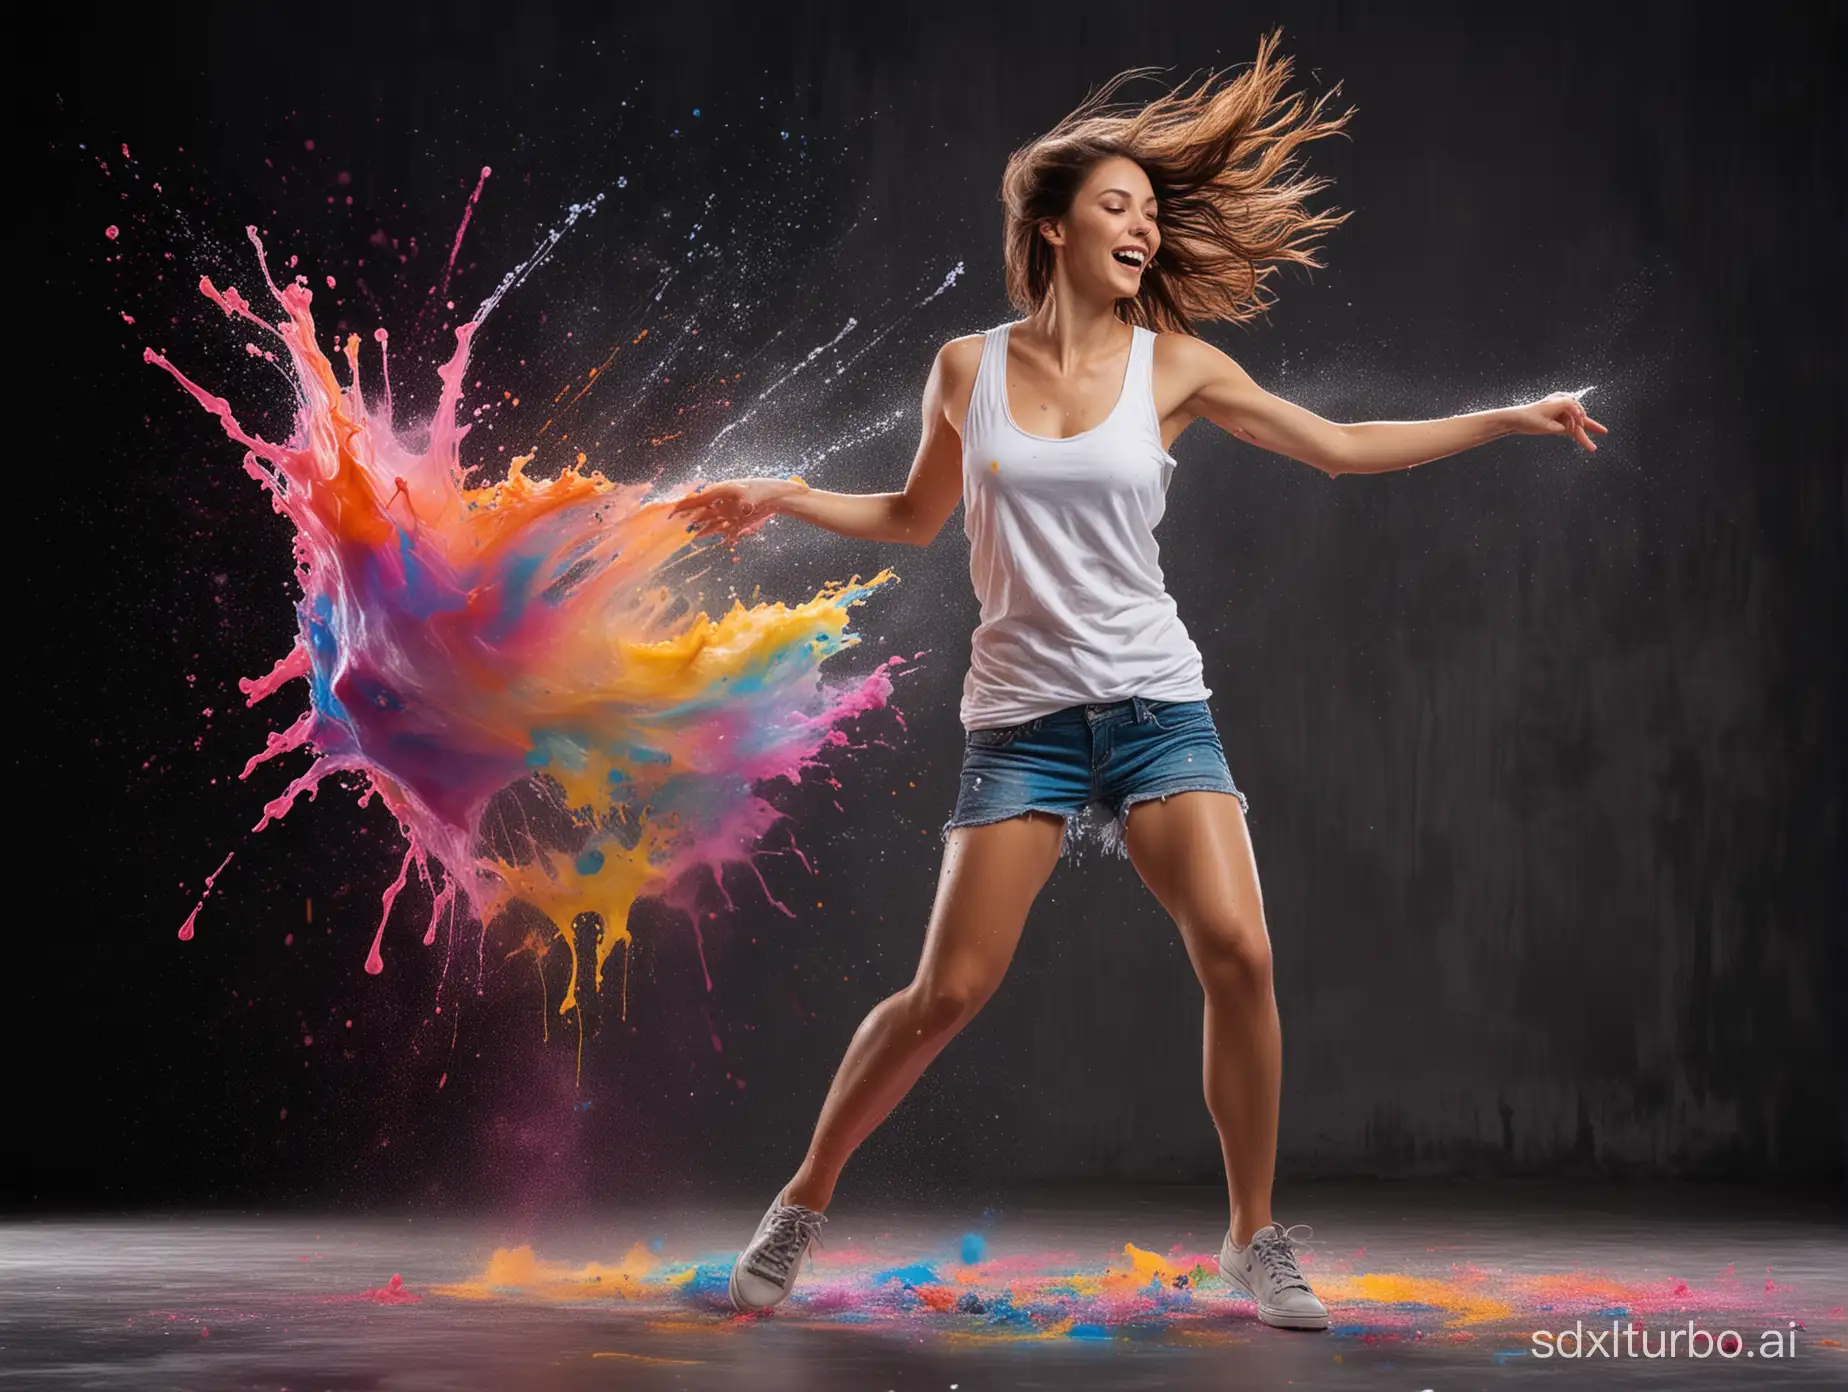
point(1073, 329)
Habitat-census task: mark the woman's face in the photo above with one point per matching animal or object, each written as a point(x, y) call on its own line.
point(1109, 235)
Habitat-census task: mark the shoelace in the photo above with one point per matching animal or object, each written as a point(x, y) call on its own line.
point(792, 1228)
point(1274, 1248)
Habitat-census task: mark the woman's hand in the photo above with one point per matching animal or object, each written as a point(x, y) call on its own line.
point(735, 507)
point(1562, 413)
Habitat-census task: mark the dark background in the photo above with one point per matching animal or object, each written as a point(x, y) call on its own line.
point(1544, 749)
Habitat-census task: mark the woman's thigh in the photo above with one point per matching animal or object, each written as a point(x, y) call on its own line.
point(986, 885)
point(1193, 850)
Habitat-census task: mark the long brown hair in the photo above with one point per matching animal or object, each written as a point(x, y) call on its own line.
point(1219, 156)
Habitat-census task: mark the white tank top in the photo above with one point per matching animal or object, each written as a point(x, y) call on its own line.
point(1063, 557)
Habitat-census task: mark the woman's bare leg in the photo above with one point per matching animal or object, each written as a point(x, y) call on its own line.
point(1194, 853)
point(988, 881)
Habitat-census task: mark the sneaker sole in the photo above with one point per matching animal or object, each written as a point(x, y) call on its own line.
point(1275, 1318)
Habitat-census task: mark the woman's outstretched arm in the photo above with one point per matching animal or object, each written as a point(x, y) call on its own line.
point(1216, 388)
point(912, 516)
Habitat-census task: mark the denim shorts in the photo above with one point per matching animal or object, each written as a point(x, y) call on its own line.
point(1100, 759)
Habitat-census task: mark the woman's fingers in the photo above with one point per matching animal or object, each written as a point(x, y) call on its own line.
point(707, 495)
point(1563, 414)
point(705, 513)
point(698, 498)
point(719, 510)
point(1578, 423)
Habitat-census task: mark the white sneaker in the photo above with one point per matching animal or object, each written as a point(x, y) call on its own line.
point(1266, 1271)
point(765, 1271)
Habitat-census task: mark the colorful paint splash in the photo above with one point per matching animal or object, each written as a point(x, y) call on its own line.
point(970, 1295)
point(460, 640)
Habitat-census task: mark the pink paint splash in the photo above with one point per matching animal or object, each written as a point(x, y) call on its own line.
point(186, 928)
point(459, 641)
point(442, 290)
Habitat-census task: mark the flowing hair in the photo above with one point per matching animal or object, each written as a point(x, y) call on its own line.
point(1219, 156)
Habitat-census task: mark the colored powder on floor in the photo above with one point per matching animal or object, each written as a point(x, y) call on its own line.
point(1461, 1302)
point(393, 1292)
point(1136, 1294)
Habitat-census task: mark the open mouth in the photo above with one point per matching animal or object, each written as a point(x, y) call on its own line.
point(1130, 256)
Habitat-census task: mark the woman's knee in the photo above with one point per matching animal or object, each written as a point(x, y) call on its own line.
point(1232, 958)
point(944, 1004)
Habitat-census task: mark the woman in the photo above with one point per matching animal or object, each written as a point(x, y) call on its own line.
point(1123, 227)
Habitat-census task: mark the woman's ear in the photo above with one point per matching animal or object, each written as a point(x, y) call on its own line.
point(1050, 230)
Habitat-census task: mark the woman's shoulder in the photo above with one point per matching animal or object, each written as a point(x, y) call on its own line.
point(1173, 343)
point(1185, 353)
point(967, 345)
point(958, 359)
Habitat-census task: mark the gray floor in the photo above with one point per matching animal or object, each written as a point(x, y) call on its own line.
point(1430, 1286)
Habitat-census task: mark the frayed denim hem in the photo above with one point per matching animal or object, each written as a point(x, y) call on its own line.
point(1067, 844)
point(1094, 820)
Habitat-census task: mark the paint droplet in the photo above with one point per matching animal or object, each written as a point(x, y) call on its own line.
point(112, 231)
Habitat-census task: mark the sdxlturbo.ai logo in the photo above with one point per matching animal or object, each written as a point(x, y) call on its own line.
point(1628, 1341)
